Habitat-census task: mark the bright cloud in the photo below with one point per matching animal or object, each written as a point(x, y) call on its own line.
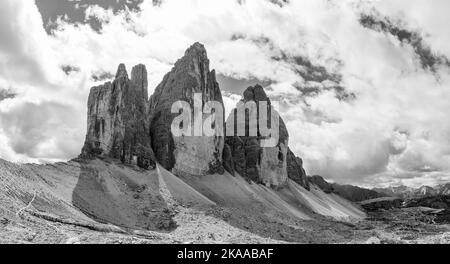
point(358, 105)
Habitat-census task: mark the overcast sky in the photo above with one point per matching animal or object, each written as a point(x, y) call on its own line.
point(364, 86)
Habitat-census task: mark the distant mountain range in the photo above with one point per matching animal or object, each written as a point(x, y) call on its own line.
point(409, 192)
point(358, 194)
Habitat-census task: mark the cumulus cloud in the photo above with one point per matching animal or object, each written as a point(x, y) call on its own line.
point(39, 102)
point(46, 130)
point(358, 103)
point(20, 51)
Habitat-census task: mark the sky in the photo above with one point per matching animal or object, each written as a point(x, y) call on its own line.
point(363, 86)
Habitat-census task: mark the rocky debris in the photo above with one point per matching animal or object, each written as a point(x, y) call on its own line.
point(117, 125)
point(4, 221)
point(404, 226)
point(443, 216)
point(191, 155)
point(444, 189)
point(436, 202)
point(266, 165)
point(373, 241)
point(436, 206)
point(52, 218)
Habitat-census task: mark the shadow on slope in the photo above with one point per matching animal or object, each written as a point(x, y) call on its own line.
point(108, 192)
point(291, 214)
point(122, 196)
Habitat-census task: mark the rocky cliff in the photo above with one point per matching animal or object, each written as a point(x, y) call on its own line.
point(295, 170)
point(191, 155)
point(117, 126)
point(271, 165)
point(124, 124)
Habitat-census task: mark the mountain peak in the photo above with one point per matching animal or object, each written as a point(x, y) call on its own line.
point(139, 78)
point(196, 49)
point(195, 54)
point(121, 71)
point(255, 93)
point(185, 155)
point(117, 122)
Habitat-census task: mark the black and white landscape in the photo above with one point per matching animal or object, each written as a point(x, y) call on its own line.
point(357, 94)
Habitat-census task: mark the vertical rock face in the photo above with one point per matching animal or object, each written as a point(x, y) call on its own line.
point(191, 155)
point(295, 170)
point(265, 165)
point(227, 159)
point(117, 124)
point(124, 124)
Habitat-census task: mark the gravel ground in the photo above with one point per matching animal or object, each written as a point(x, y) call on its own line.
point(102, 202)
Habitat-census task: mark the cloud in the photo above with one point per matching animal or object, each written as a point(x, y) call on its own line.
point(20, 51)
point(37, 121)
point(46, 130)
point(359, 106)
point(6, 94)
point(427, 59)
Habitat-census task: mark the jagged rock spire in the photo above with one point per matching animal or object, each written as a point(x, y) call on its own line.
point(117, 123)
point(139, 78)
point(272, 166)
point(255, 93)
point(265, 165)
point(196, 50)
point(187, 155)
point(121, 71)
point(124, 124)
